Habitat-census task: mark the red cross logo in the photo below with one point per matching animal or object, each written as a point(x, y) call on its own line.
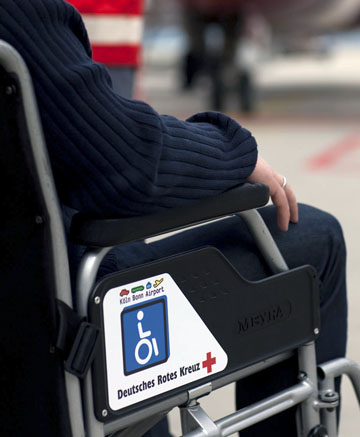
point(209, 362)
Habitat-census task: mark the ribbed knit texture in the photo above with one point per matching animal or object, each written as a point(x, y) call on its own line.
point(111, 155)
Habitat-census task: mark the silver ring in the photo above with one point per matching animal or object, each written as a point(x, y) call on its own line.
point(283, 186)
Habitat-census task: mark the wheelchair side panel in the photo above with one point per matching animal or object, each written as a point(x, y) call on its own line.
point(203, 319)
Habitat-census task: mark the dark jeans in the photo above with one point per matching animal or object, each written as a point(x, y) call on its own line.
point(316, 240)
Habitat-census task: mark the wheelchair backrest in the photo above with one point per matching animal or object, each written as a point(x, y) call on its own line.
point(31, 373)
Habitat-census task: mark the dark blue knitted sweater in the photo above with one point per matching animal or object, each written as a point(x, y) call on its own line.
point(111, 155)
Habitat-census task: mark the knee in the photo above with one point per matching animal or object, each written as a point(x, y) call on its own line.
point(324, 229)
point(327, 253)
point(337, 238)
point(316, 233)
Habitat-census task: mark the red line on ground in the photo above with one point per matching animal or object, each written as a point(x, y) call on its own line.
point(333, 154)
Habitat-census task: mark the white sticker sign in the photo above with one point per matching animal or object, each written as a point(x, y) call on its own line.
point(154, 341)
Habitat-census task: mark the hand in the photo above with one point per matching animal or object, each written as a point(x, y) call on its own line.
point(283, 198)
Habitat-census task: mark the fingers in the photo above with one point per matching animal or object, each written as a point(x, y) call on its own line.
point(294, 211)
point(282, 197)
point(286, 205)
point(279, 199)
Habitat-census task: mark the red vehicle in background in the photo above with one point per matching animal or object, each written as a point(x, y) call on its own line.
point(115, 31)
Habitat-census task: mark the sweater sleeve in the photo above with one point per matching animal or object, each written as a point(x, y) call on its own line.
point(112, 155)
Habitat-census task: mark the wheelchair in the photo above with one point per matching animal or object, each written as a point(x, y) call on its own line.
point(113, 357)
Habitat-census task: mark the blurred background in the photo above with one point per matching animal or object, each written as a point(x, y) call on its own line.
point(288, 70)
point(252, 56)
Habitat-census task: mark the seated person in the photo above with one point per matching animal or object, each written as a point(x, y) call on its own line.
point(117, 157)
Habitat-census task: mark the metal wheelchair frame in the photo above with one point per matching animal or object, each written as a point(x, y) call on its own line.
point(314, 394)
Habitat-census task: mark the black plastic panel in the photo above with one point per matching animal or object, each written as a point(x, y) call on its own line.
point(251, 320)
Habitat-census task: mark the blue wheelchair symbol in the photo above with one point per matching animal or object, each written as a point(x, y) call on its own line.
point(145, 336)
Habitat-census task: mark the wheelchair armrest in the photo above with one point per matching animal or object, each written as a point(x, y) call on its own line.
point(114, 231)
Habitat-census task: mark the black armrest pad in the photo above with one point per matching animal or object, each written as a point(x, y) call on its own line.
point(111, 232)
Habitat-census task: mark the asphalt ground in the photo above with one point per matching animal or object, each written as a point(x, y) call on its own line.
point(307, 126)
